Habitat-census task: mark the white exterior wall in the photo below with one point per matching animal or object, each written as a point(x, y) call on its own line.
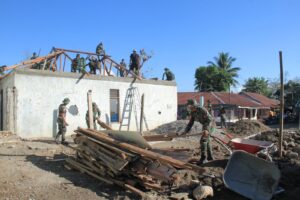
point(41, 92)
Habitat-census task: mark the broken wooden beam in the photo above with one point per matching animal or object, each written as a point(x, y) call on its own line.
point(146, 153)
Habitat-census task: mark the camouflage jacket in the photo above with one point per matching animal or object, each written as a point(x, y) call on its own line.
point(201, 115)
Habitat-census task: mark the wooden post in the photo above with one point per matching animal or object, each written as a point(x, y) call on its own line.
point(90, 108)
point(60, 63)
point(142, 114)
point(281, 104)
point(64, 63)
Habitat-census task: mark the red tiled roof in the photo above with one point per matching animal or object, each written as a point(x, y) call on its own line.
point(223, 98)
point(262, 99)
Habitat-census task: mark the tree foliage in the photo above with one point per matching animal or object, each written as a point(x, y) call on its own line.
point(211, 78)
point(258, 85)
point(224, 61)
point(218, 75)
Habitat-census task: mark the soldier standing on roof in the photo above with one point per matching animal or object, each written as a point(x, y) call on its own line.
point(93, 65)
point(96, 115)
point(75, 63)
point(2, 69)
point(201, 115)
point(135, 62)
point(61, 121)
point(123, 69)
point(100, 50)
point(169, 75)
point(34, 56)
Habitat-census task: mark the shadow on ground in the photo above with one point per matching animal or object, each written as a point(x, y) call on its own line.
point(56, 166)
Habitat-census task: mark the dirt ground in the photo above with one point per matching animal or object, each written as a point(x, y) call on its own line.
point(34, 170)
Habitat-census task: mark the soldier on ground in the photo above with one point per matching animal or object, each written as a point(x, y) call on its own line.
point(169, 75)
point(135, 62)
point(123, 70)
point(201, 115)
point(96, 115)
point(223, 117)
point(61, 121)
point(209, 107)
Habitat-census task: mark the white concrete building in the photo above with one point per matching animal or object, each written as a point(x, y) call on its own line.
point(29, 101)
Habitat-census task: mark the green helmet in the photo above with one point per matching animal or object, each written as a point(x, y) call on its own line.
point(66, 100)
point(166, 69)
point(94, 104)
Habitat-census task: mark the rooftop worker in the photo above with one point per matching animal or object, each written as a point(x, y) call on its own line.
point(75, 63)
point(135, 62)
point(61, 121)
point(96, 115)
point(100, 50)
point(81, 65)
point(123, 70)
point(34, 56)
point(93, 64)
point(201, 115)
point(2, 69)
point(169, 75)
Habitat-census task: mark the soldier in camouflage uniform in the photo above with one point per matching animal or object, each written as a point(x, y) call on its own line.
point(100, 50)
point(201, 115)
point(123, 69)
point(61, 121)
point(96, 115)
point(169, 75)
point(75, 63)
point(135, 62)
point(93, 65)
point(2, 69)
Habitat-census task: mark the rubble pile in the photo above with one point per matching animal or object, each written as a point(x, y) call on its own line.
point(125, 164)
point(248, 127)
point(176, 127)
point(289, 164)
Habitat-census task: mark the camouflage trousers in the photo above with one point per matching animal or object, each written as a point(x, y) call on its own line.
point(62, 129)
point(205, 147)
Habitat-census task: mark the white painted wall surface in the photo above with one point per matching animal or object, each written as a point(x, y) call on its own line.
point(40, 94)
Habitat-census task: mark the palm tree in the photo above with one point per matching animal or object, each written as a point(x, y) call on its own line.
point(224, 62)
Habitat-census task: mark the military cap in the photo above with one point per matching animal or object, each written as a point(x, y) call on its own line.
point(66, 100)
point(94, 104)
point(133, 50)
point(166, 69)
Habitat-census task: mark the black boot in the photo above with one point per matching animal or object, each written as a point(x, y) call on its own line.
point(202, 160)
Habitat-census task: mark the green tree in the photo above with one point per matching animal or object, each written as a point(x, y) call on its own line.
point(257, 85)
point(211, 78)
point(224, 61)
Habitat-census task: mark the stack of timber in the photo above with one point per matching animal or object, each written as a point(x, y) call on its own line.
point(125, 164)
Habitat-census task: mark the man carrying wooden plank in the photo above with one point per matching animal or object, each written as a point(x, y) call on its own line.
point(96, 115)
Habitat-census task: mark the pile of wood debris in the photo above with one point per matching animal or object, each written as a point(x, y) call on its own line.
point(129, 163)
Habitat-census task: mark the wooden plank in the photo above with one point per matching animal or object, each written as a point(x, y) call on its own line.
point(110, 181)
point(90, 108)
point(167, 137)
point(146, 153)
point(103, 125)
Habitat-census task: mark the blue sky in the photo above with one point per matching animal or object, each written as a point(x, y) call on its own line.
point(182, 35)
